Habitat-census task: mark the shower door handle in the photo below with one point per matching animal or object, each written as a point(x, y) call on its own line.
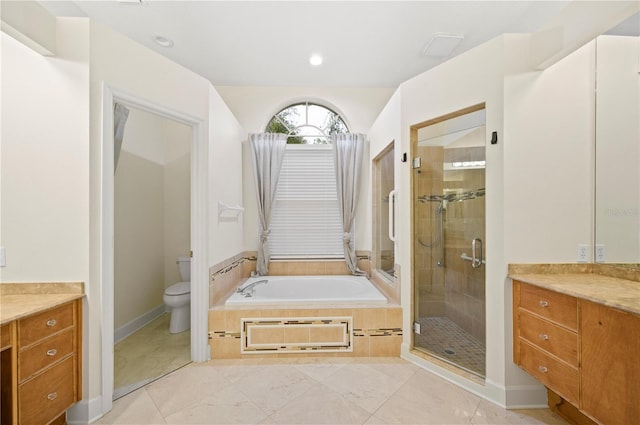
point(392, 215)
point(476, 253)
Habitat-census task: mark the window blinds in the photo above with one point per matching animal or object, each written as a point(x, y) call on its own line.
point(305, 221)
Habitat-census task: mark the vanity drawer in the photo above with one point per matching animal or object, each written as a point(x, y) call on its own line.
point(560, 308)
point(553, 339)
point(45, 353)
point(554, 374)
point(44, 324)
point(48, 395)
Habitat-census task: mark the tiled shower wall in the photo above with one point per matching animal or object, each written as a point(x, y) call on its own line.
point(429, 278)
point(465, 285)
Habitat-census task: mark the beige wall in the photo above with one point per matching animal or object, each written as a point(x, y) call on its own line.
point(45, 158)
point(226, 180)
point(617, 148)
point(152, 214)
point(139, 238)
point(548, 157)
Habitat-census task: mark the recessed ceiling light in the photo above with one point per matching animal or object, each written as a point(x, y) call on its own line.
point(315, 60)
point(163, 41)
point(442, 45)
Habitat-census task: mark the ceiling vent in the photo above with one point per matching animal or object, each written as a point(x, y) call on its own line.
point(442, 45)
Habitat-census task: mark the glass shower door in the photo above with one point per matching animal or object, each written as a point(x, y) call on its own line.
point(384, 213)
point(449, 241)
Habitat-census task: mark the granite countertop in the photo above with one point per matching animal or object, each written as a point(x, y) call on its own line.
point(18, 300)
point(616, 292)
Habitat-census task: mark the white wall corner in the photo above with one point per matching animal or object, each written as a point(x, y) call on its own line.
point(544, 45)
point(577, 24)
point(526, 397)
point(31, 24)
point(85, 412)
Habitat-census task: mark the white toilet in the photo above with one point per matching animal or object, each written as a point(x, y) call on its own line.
point(178, 297)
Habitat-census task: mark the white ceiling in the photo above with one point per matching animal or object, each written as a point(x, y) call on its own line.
point(266, 43)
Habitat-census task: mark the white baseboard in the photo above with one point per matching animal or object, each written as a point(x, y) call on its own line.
point(526, 397)
point(85, 412)
point(137, 323)
point(511, 397)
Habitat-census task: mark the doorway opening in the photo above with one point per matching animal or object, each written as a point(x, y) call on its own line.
point(199, 207)
point(152, 194)
point(449, 255)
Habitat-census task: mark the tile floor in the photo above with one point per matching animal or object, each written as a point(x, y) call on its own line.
point(443, 338)
point(310, 391)
point(147, 354)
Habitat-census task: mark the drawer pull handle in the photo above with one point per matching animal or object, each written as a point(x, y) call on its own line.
point(52, 352)
point(52, 396)
point(544, 303)
point(51, 322)
point(543, 369)
point(544, 337)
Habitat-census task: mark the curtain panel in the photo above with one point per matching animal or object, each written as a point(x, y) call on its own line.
point(348, 152)
point(267, 153)
point(120, 115)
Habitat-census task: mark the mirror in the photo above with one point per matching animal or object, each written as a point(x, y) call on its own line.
point(617, 150)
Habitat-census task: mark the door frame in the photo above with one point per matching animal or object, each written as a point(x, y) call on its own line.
point(199, 230)
point(413, 141)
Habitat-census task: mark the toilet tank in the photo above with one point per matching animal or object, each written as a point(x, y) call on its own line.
point(184, 263)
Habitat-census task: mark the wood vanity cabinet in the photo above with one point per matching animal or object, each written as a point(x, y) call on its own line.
point(45, 378)
point(610, 373)
point(546, 344)
point(587, 353)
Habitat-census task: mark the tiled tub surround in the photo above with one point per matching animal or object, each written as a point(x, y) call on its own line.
point(225, 276)
point(375, 330)
point(361, 331)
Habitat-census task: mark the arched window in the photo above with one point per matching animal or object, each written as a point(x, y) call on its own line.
point(305, 220)
point(307, 124)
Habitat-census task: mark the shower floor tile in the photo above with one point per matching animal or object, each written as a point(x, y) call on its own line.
point(443, 338)
point(147, 354)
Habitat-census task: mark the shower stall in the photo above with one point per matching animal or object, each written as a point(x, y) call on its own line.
point(449, 249)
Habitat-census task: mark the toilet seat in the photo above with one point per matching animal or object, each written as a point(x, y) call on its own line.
point(180, 288)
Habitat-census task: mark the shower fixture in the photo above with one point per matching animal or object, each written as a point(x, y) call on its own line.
point(443, 200)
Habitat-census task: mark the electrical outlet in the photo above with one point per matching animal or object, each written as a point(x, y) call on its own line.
point(416, 328)
point(583, 253)
point(600, 253)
